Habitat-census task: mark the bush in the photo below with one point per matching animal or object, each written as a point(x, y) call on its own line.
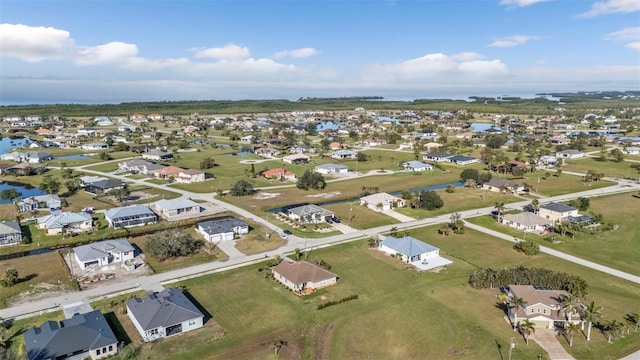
point(174, 243)
point(331, 303)
point(528, 247)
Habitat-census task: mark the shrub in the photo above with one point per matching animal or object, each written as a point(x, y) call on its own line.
point(332, 302)
point(528, 247)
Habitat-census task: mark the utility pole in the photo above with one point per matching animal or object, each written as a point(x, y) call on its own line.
point(511, 346)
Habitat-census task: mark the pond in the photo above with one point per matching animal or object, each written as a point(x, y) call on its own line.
point(25, 190)
point(7, 144)
point(74, 157)
point(241, 153)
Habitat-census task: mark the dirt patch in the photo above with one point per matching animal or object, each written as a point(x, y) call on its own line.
point(39, 292)
point(326, 195)
point(265, 195)
point(324, 340)
point(289, 340)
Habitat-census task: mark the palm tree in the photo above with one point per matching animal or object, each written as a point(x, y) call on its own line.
point(500, 208)
point(516, 303)
point(612, 328)
point(572, 328)
point(590, 313)
point(393, 231)
point(535, 205)
point(527, 327)
point(569, 305)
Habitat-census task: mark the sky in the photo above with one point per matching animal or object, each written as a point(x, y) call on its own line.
point(100, 51)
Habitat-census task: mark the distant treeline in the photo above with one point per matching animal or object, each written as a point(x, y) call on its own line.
point(346, 98)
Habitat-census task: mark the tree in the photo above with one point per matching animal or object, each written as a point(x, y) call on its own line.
point(527, 247)
point(429, 200)
point(496, 141)
point(485, 177)
point(121, 194)
point(242, 188)
point(311, 180)
point(470, 174)
point(207, 163)
point(50, 185)
point(569, 304)
point(527, 327)
point(590, 313)
point(7, 354)
point(617, 155)
point(535, 205)
point(499, 206)
point(9, 278)
point(450, 189)
point(444, 230)
point(10, 194)
point(572, 328)
point(361, 157)
point(170, 243)
point(393, 232)
point(611, 328)
point(456, 223)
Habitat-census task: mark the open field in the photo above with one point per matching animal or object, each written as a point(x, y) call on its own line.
point(38, 274)
point(619, 248)
point(608, 168)
point(394, 301)
point(361, 216)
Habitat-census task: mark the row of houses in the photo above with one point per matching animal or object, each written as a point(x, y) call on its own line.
point(164, 172)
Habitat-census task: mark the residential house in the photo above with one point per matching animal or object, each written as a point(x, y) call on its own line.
point(30, 157)
point(540, 305)
point(631, 150)
point(569, 154)
point(330, 168)
point(138, 166)
point(190, 128)
point(65, 142)
point(557, 212)
point(503, 185)
point(58, 222)
point(249, 139)
point(103, 253)
point(47, 201)
point(164, 314)
point(463, 160)
point(83, 336)
point(154, 117)
point(413, 251)
point(96, 146)
point(267, 152)
point(176, 207)
point(436, 157)
point(45, 133)
point(10, 233)
point(279, 174)
point(303, 276)
point(337, 145)
point(374, 142)
point(85, 180)
point(223, 228)
point(344, 155)
point(104, 186)
point(129, 216)
point(157, 155)
point(382, 202)
point(308, 214)
point(167, 172)
point(190, 176)
point(296, 159)
point(417, 166)
point(527, 222)
point(88, 131)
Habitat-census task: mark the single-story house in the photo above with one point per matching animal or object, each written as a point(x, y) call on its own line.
point(540, 305)
point(190, 176)
point(163, 314)
point(382, 201)
point(631, 150)
point(436, 157)
point(279, 174)
point(137, 166)
point(413, 251)
point(95, 146)
point(224, 228)
point(557, 212)
point(417, 166)
point(103, 186)
point(303, 276)
point(331, 168)
point(167, 172)
point(527, 221)
point(463, 160)
point(344, 154)
point(157, 155)
point(10, 233)
point(267, 152)
point(82, 336)
point(296, 159)
point(309, 214)
point(85, 180)
point(129, 216)
point(175, 207)
point(503, 185)
point(103, 253)
point(374, 142)
point(57, 222)
point(569, 154)
point(47, 201)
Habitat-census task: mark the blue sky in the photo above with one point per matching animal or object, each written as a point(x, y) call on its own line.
point(115, 51)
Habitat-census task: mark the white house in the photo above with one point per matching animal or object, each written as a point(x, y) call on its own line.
point(309, 214)
point(540, 305)
point(303, 276)
point(130, 216)
point(103, 253)
point(382, 202)
point(95, 146)
point(176, 207)
point(557, 212)
point(164, 314)
point(569, 154)
point(331, 168)
point(157, 155)
point(503, 185)
point(190, 176)
point(527, 221)
point(57, 222)
point(417, 166)
point(631, 150)
point(436, 157)
point(344, 154)
point(413, 251)
point(224, 228)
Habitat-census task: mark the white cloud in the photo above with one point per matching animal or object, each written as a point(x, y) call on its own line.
point(32, 43)
point(297, 53)
point(510, 41)
point(634, 45)
point(520, 3)
point(437, 66)
point(612, 7)
point(629, 33)
point(229, 51)
point(113, 53)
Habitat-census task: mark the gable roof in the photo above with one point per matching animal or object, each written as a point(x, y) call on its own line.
point(332, 166)
point(499, 182)
point(83, 331)
point(276, 171)
point(417, 164)
point(101, 249)
point(533, 295)
point(408, 246)
point(527, 219)
point(220, 225)
point(302, 272)
point(59, 220)
point(107, 184)
point(162, 309)
point(309, 209)
point(437, 154)
point(131, 210)
point(10, 227)
point(382, 197)
point(558, 207)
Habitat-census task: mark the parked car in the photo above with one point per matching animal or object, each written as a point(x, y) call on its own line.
point(283, 236)
point(287, 232)
point(335, 219)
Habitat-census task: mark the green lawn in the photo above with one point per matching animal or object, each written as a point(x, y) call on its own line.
point(361, 216)
point(608, 168)
point(619, 249)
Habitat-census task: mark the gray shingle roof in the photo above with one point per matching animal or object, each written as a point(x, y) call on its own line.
point(557, 207)
point(83, 331)
point(131, 210)
point(408, 245)
point(100, 249)
point(10, 227)
point(165, 308)
point(175, 204)
point(220, 225)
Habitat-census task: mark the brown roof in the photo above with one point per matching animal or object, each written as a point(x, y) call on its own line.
point(532, 296)
point(169, 170)
point(303, 271)
point(192, 172)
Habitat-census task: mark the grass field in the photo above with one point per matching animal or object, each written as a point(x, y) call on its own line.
point(361, 216)
point(608, 168)
point(46, 268)
point(399, 313)
point(619, 249)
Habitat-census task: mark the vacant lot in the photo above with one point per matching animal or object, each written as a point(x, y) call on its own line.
point(618, 248)
point(608, 168)
point(361, 216)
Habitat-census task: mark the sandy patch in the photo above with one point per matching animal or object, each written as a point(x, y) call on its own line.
point(326, 195)
point(265, 195)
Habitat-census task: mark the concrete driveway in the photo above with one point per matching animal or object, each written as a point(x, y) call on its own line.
point(547, 340)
